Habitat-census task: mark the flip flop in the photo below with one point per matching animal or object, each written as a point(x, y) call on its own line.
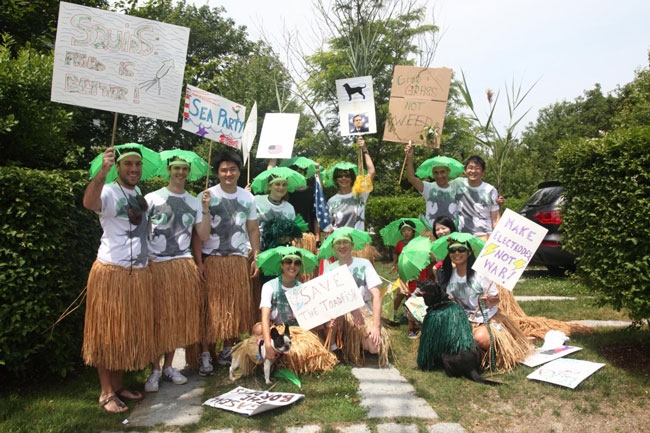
point(119, 403)
point(126, 394)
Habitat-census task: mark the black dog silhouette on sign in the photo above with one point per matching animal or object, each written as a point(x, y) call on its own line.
point(352, 90)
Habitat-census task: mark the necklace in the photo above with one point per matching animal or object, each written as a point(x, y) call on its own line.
point(275, 202)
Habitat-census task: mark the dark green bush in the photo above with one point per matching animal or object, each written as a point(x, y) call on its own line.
point(607, 215)
point(48, 242)
point(380, 211)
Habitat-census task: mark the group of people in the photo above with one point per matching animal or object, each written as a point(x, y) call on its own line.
point(174, 270)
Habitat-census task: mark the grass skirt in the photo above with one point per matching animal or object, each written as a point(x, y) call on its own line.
point(308, 242)
point(352, 341)
point(307, 354)
point(178, 303)
point(368, 252)
point(511, 345)
point(118, 328)
point(229, 300)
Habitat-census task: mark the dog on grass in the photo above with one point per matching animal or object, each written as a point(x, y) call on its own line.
point(446, 337)
point(251, 352)
point(352, 90)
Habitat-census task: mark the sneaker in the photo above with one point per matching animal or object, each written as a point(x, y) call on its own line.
point(170, 374)
point(225, 357)
point(205, 369)
point(152, 384)
point(413, 335)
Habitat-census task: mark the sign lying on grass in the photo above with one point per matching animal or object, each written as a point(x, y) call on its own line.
point(565, 372)
point(509, 249)
point(542, 356)
point(249, 402)
point(326, 297)
point(116, 62)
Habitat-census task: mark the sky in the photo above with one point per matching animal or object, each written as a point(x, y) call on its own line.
point(562, 47)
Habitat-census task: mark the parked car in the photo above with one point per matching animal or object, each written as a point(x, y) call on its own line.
point(543, 207)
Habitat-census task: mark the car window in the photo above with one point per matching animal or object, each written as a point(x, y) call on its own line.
point(545, 196)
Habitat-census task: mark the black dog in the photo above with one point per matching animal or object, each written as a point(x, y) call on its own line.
point(447, 337)
point(352, 90)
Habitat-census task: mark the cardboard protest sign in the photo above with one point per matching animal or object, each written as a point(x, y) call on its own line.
point(277, 136)
point(323, 298)
point(565, 372)
point(509, 249)
point(213, 117)
point(356, 106)
point(116, 62)
point(418, 100)
point(249, 402)
point(250, 131)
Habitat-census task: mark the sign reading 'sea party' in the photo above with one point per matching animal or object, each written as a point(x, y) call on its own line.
point(116, 62)
point(509, 249)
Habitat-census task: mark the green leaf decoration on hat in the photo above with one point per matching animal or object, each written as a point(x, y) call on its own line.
point(294, 179)
point(150, 162)
point(441, 244)
point(306, 164)
point(359, 239)
point(424, 171)
point(198, 166)
point(269, 261)
point(391, 234)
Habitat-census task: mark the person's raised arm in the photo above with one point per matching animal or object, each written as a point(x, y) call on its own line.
point(410, 171)
point(366, 158)
point(253, 230)
point(93, 194)
point(272, 163)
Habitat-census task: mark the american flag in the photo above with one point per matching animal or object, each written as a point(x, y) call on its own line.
point(320, 205)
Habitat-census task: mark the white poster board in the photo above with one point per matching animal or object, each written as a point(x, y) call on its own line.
point(326, 297)
point(356, 101)
point(213, 117)
point(277, 136)
point(417, 307)
point(116, 62)
point(249, 402)
point(542, 356)
point(509, 249)
point(250, 131)
point(565, 372)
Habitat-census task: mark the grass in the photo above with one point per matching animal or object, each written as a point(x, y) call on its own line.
point(612, 393)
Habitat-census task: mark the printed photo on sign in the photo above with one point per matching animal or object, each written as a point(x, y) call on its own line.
point(356, 106)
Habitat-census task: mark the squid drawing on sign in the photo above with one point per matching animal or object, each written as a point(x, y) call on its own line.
point(162, 71)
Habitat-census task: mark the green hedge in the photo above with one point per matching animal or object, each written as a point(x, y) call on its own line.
point(48, 242)
point(607, 215)
point(380, 211)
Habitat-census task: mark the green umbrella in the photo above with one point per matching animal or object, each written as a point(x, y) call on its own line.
point(441, 244)
point(198, 166)
point(269, 261)
point(359, 240)
point(293, 178)
point(415, 257)
point(150, 162)
point(301, 162)
point(455, 167)
point(328, 176)
point(391, 234)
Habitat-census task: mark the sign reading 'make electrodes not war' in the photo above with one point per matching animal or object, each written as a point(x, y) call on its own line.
point(116, 62)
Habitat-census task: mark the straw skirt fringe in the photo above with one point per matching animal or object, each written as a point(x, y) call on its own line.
point(229, 309)
point(118, 328)
point(511, 345)
point(308, 242)
point(353, 352)
point(368, 252)
point(178, 303)
point(307, 354)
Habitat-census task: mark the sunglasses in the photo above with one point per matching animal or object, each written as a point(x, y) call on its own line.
point(457, 250)
point(296, 262)
point(343, 175)
point(135, 212)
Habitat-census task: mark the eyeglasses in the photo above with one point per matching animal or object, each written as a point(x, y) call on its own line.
point(296, 262)
point(135, 212)
point(457, 250)
point(343, 175)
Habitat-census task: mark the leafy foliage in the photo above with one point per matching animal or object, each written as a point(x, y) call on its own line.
point(47, 245)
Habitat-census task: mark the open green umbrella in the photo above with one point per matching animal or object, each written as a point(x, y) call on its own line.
point(269, 261)
point(150, 162)
point(441, 244)
point(455, 167)
point(414, 258)
point(359, 240)
point(306, 164)
point(328, 176)
point(294, 179)
point(391, 234)
point(198, 166)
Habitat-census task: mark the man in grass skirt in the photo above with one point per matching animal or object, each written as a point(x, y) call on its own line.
point(223, 261)
point(178, 301)
point(119, 311)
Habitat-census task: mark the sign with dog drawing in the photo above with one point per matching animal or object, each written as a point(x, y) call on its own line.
point(326, 297)
point(213, 117)
point(116, 62)
point(277, 136)
point(356, 106)
point(509, 249)
point(249, 402)
point(417, 105)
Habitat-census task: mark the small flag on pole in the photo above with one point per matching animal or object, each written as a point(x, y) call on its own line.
point(320, 205)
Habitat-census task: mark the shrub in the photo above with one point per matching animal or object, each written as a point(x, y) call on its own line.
point(606, 215)
point(48, 242)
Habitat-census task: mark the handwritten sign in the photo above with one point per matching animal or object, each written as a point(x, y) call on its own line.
point(509, 249)
point(213, 117)
point(418, 100)
point(356, 106)
point(542, 356)
point(565, 372)
point(249, 402)
point(277, 136)
point(116, 62)
point(326, 297)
